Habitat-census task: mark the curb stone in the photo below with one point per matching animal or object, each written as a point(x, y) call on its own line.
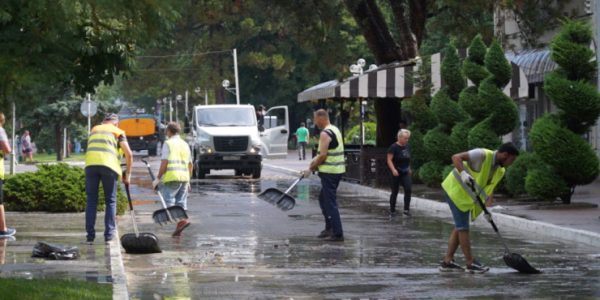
point(440, 209)
point(117, 269)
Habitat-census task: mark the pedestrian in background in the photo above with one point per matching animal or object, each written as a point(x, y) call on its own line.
point(5, 149)
point(103, 164)
point(302, 137)
point(173, 179)
point(260, 117)
point(398, 161)
point(26, 147)
point(481, 169)
point(331, 166)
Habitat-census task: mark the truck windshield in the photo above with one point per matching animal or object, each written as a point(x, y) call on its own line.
point(231, 116)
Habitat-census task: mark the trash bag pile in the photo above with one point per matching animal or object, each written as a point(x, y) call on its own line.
point(56, 252)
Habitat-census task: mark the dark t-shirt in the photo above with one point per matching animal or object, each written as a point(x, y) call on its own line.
point(401, 156)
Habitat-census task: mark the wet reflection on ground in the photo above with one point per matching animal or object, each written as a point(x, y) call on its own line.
point(239, 246)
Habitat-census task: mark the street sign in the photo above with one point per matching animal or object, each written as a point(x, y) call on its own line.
point(90, 106)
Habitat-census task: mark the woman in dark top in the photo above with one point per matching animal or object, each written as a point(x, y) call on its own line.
point(398, 160)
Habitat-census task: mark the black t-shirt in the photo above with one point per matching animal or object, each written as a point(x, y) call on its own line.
point(401, 156)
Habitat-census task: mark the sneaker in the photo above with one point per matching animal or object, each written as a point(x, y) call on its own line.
point(324, 234)
point(450, 267)
point(8, 232)
point(109, 240)
point(88, 241)
point(407, 213)
point(183, 224)
point(335, 238)
point(476, 268)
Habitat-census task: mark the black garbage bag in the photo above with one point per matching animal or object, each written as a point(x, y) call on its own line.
point(57, 252)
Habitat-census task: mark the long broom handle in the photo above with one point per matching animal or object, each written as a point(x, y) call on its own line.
point(290, 188)
point(162, 200)
point(131, 212)
point(487, 213)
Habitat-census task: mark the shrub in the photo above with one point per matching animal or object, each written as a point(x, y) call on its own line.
point(52, 188)
point(545, 184)
point(353, 135)
point(431, 173)
point(460, 136)
point(417, 149)
point(516, 173)
point(438, 144)
point(497, 65)
point(447, 110)
point(451, 72)
point(482, 136)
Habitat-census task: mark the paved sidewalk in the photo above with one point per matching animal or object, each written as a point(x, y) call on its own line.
point(97, 263)
point(579, 221)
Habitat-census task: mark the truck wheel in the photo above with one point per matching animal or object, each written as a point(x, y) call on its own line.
point(238, 172)
point(201, 174)
point(152, 151)
point(256, 173)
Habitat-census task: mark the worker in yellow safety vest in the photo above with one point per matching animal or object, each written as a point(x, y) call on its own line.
point(481, 169)
point(331, 166)
point(5, 232)
point(103, 164)
point(173, 179)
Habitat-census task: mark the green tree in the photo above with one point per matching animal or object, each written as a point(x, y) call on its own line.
point(445, 107)
point(556, 138)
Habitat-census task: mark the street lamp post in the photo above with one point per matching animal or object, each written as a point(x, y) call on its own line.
point(356, 70)
point(177, 100)
point(232, 90)
point(235, 71)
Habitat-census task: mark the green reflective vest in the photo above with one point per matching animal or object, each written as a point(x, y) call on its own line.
point(103, 148)
point(461, 194)
point(335, 163)
point(177, 161)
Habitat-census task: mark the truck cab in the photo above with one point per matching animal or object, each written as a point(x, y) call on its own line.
point(228, 137)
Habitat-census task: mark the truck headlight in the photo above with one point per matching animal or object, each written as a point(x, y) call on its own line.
point(255, 149)
point(206, 150)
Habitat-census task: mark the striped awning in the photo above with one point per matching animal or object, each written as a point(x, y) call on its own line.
point(398, 81)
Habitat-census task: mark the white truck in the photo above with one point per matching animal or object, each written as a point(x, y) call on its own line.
point(228, 137)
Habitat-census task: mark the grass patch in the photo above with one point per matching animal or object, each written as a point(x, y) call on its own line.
point(18, 288)
point(46, 158)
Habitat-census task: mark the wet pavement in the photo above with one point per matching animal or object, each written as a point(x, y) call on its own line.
point(239, 246)
point(93, 265)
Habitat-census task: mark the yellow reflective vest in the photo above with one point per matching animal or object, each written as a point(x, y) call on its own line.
point(462, 195)
point(335, 163)
point(103, 147)
point(177, 161)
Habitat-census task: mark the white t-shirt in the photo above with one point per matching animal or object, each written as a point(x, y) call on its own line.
point(476, 158)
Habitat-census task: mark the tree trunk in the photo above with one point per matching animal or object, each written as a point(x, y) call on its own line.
point(385, 50)
point(58, 142)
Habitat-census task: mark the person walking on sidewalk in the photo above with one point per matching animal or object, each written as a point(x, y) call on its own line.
point(173, 179)
point(26, 146)
point(302, 137)
point(398, 161)
point(103, 164)
point(331, 166)
point(4, 150)
point(483, 169)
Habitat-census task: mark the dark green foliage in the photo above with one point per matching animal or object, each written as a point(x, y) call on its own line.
point(570, 50)
point(415, 108)
point(460, 136)
point(446, 171)
point(438, 144)
point(497, 65)
point(446, 110)
point(353, 135)
point(570, 156)
point(471, 103)
point(431, 173)
point(483, 136)
point(418, 151)
point(556, 138)
point(53, 188)
point(578, 100)
point(503, 110)
point(451, 73)
point(477, 51)
point(473, 66)
point(516, 173)
point(546, 184)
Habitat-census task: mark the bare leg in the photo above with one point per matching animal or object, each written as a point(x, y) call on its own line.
point(453, 243)
point(2, 221)
point(465, 245)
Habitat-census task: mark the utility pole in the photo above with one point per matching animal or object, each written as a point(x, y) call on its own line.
point(237, 82)
point(13, 161)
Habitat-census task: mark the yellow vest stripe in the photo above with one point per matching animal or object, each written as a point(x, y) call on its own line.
point(335, 161)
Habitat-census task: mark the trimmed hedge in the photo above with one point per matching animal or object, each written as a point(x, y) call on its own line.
point(431, 173)
point(52, 188)
point(516, 173)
